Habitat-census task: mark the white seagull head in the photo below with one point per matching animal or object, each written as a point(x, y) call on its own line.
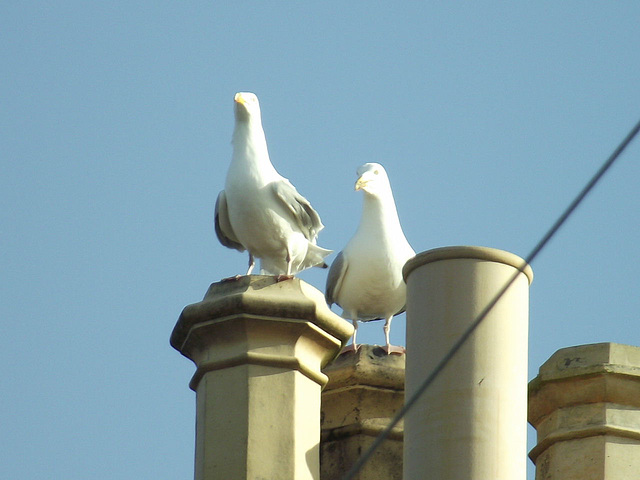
point(247, 106)
point(372, 179)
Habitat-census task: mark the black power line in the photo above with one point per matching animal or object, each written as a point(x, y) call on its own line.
point(478, 320)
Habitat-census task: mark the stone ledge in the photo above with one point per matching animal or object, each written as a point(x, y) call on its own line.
point(372, 427)
point(586, 374)
point(264, 296)
point(370, 366)
point(582, 432)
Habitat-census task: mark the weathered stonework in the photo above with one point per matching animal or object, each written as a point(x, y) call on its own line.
point(259, 346)
point(585, 406)
point(365, 390)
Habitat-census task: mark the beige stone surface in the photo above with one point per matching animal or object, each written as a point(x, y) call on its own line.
point(365, 390)
point(471, 422)
point(585, 406)
point(259, 347)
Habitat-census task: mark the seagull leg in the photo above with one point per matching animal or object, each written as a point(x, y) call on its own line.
point(288, 276)
point(252, 263)
point(353, 346)
point(355, 330)
point(388, 347)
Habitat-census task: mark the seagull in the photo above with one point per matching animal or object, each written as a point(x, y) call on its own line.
point(365, 279)
point(261, 211)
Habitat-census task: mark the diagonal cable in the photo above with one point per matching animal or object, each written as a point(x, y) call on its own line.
point(481, 316)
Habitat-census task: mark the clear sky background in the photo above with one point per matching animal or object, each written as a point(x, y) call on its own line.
point(115, 128)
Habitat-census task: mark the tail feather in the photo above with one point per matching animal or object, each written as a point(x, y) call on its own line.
point(314, 258)
point(316, 255)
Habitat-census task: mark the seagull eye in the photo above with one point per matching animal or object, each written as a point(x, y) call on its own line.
point(376, 172)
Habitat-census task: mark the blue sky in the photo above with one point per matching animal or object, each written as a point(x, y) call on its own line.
point(115, 122)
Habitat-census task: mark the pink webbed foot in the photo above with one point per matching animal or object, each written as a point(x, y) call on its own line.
point(283, 277)
point(232, 279)
point(394, 349)
point(350, 348)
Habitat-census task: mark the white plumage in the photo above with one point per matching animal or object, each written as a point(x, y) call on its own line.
point(261, 211)
point(366, 277)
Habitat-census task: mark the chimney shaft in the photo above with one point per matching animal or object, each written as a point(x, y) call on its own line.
point(259, 346)
point(470, 424)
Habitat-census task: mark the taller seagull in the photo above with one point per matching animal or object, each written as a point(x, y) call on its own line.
point(261, 211)
point(365, 279)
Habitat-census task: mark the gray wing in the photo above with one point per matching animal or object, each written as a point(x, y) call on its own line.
point(224, 230)
point(302, 213)
point(334, 279)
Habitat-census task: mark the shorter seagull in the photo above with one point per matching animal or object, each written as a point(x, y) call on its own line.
point(365, 279)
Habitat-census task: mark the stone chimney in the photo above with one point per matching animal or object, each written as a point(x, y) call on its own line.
point(471, 422)
point(365, 390)
point(585, 406)
point(259, 346)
